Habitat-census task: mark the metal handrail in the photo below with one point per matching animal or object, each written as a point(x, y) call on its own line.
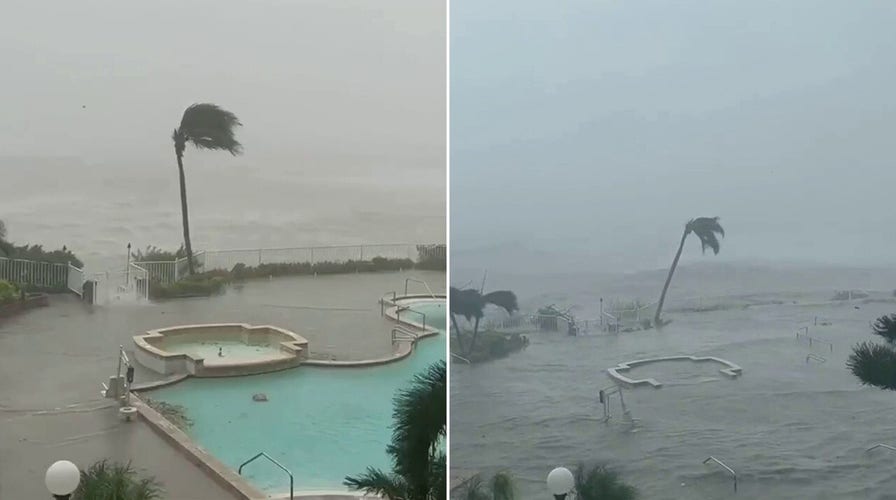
point(403, 334)
point(881, 445)
point(278, 464)
point(465, 360)
point(415, 280)
point(398, 311)
point(815, 357)
point(729, 469)
point(383, 301)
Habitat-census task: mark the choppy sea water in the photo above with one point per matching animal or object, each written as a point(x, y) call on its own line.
point(97, 209)
point(789, 429)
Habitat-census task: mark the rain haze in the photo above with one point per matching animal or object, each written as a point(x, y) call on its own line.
point(584, 135)
point(342, 105)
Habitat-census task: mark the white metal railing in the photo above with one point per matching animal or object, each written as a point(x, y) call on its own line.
point(881, 445)
point(32, 272)
point(415, 280)
point(815, 357)
point(722, 464)
point(208, 260)
point(75, 280)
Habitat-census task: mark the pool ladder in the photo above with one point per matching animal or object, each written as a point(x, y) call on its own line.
point(724, 466)
point(401, 334)
point(806, 336)
point(278, 464)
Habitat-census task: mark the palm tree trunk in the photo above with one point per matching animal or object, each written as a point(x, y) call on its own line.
point(460, 343)
point(183, 208)
point(659, 306)
point(475, 334)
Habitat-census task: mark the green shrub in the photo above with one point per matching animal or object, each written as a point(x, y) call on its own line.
point(9, 292)
point(37, 252)
point(156, 254)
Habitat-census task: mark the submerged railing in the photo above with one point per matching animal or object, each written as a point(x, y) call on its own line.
point(415, 280)
point(278, 464)
point(881, 445)
point(722, 464)
point(812, 340)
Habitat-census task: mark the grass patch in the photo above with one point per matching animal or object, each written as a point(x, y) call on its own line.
point(176, 414)
point(490, 345)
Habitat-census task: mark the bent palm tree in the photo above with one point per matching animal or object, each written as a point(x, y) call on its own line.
point(114, 481)
point(418, 471)
point(205, 126)
point(5, 247)
point(470, 304)
point(706, 229)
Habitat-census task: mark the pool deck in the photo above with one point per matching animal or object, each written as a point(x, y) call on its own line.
point(53, 360)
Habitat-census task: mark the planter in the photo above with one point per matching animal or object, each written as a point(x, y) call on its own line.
point(31, 301)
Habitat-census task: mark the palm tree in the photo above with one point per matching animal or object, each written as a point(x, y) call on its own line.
point(205, 126)
point(706, 228)
point(600, 483)
point(875, 364)
point(418, 471)
point(114, 481)
point(470, 304)
point(5, 247)
point(500, 487)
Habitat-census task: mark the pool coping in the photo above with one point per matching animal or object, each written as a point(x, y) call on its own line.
point(732, 370)
point(227, 477)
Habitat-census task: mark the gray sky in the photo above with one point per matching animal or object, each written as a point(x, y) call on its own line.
point(350, 82)
point(596, 129)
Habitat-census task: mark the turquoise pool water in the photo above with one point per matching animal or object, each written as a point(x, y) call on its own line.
point(321, 423)
point(434, 311)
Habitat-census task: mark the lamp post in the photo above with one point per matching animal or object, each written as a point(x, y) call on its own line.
point(560, 482)
point(62, 479)
point(127, 278)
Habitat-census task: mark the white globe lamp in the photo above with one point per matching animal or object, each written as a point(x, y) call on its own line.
point(62, 479)
point(560, 482)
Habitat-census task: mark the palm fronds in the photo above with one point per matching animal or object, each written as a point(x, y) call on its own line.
point(106, 480)
point(706, 229)
point(885, 326)
point(600, 483)
point(419, 469)
point(874, 364)
point(208, 126)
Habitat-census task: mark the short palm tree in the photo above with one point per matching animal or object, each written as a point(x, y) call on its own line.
point(418, 461)
point(470, 304)
point(600, 483)
point(6, 247)
point(706, 229)
point(205, 126)
point(875, 364)
point(106, 480)
point(500, 487)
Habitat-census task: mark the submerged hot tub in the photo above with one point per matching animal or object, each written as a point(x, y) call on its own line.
point(220, 350)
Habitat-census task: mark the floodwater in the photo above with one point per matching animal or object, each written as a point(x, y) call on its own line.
point(790, 428)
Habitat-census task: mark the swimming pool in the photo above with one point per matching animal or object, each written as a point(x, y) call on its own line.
point(321, 423)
